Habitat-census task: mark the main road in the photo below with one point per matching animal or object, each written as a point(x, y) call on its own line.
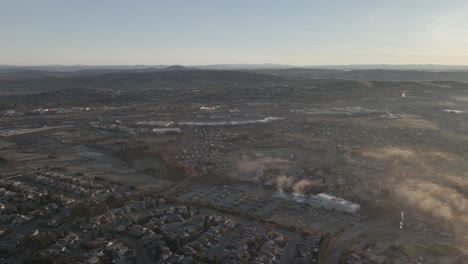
point(341, 243)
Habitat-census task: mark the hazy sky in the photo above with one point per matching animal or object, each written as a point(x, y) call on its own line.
point(299, 32)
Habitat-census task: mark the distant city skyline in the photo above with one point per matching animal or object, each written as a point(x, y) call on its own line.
point(301, 32)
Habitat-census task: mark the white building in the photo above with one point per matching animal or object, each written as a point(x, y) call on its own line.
point(281, 195)
point(64, 111)
point(298, 197)
point(330, 202)
point(166, 130)
point(156, 123)
point(10, 112)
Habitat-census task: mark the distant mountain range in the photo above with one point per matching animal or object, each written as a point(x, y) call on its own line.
point(74, 68)
point(402, 67)
point(148, 78)
point(233, 73)
point(370, 74)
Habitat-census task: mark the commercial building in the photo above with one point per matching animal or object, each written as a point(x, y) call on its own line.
point(330, 202)
point(298, 197)
point(10, 112)
point(166, 130)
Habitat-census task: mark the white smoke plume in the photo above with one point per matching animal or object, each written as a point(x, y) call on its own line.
point(301, 186)
point(283, 182)
point(439, 201)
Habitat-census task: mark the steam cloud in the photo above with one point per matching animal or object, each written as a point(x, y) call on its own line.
point(283, 182)
point(301, 186)
point(286, 182)
point(439, 201)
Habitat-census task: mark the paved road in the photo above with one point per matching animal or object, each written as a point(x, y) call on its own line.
point(340, 245)
point(178, 185)
point(288, 251)
point(222, 244)
point(140, 253)
point(23, 174)
point(36, 171)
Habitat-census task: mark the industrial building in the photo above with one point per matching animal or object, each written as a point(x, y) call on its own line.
point(166, 130)
point(330, 202)
point(298, 197)
point(10, 113)
point(281, 195)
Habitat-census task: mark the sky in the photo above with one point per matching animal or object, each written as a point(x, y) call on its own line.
point(200, 32)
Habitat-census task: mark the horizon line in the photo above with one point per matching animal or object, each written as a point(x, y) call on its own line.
point(240, 65)
point(247, 64)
